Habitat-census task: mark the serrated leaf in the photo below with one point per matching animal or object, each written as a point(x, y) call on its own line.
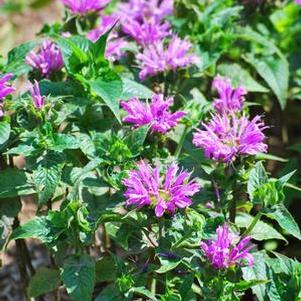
point(142, 291)
point(105, 269)
point(44, 281)
point(133, 89)
point(257, 177)
point(63, 142)
point(261, 231)
point(285, 220)
point(257, 271)
point(4, 132)
point(78, 276)
point(38, 228)
point(14, 183)
point(167, 265)
point(275, 72)
point(110, 90)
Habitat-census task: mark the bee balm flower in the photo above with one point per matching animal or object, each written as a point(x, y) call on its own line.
point(5, 89)
point(83, 7)
point(230, 99)
point(37, 98)
point(228, 136)
point(156, 113)
point(158, 58)
point(145, 187)
point(47, 60)
point(224, 252)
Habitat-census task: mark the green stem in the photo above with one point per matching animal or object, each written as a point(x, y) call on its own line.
point(181, 142)
point(232, 210)
point(252, 224)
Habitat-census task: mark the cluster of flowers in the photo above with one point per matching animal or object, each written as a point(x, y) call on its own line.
point(143, 21)
point(230, 133)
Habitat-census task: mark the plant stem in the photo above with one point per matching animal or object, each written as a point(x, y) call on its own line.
point(232, 210)
point(252, 224)
point(181, 142)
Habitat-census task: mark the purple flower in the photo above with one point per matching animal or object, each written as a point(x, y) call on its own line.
point(146, 33)
point(144, 187)
point(47, 60)
point(225, 252)
point(230, 99)
point(227, 136)
point(158, 58)
point(156, 113)
point(5, 89)
point(106, 23)
point(298, 1)
point(115, 49)
point(38, 99)
point(141, 10)
point(82, 7)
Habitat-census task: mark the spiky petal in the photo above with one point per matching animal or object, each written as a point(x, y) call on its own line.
point(227, 136)
point(166, 193)
point(47, 60)
point(227, 250)
point(5, 89)
point(37, 98)
point(83, 7)
point(156, 113)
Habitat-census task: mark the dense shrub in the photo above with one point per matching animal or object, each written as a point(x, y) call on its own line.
point(143, 122)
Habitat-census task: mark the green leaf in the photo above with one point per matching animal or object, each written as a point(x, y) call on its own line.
point(239, 76)
point(38, 228)
point(167, 265)
point(78, 276)
point(110, 90)
point(136, 138)
point(275, 72)
point(257, 178)
point(14, 183)
point(44, 281)
point(9, 209)
point(259, 272)
point(261, 231)
point(142, 291)
point(47, 176)
point(285, 220)
point(133, 89)
point(110, 293)
point(263, 156)
point(63, 142)
point(16, 58)
point(4, 132)
point(105, 269)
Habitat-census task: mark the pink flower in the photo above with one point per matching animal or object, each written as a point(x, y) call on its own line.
point(5, 89)
point(141, 10)
point(228, 136)
point(145, 187)
point(158, 58)
point(82, 7)
point(298, 1)
point(230, 99)
point(146, 33)
point(38, 100)
point(47, 60)
point(156, 113)
point(225, 252)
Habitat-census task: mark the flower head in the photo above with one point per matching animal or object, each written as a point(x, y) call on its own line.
point(146, 33)
point(227, 136)
point(141, 10)
point(83, 7)
point(298, 1)
point(156, 113)
point(38, 99)
point(145, 187)
point(47, 60)
point(158, 58)
point(230, 99)
point(225, 252)
point(5, 89)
